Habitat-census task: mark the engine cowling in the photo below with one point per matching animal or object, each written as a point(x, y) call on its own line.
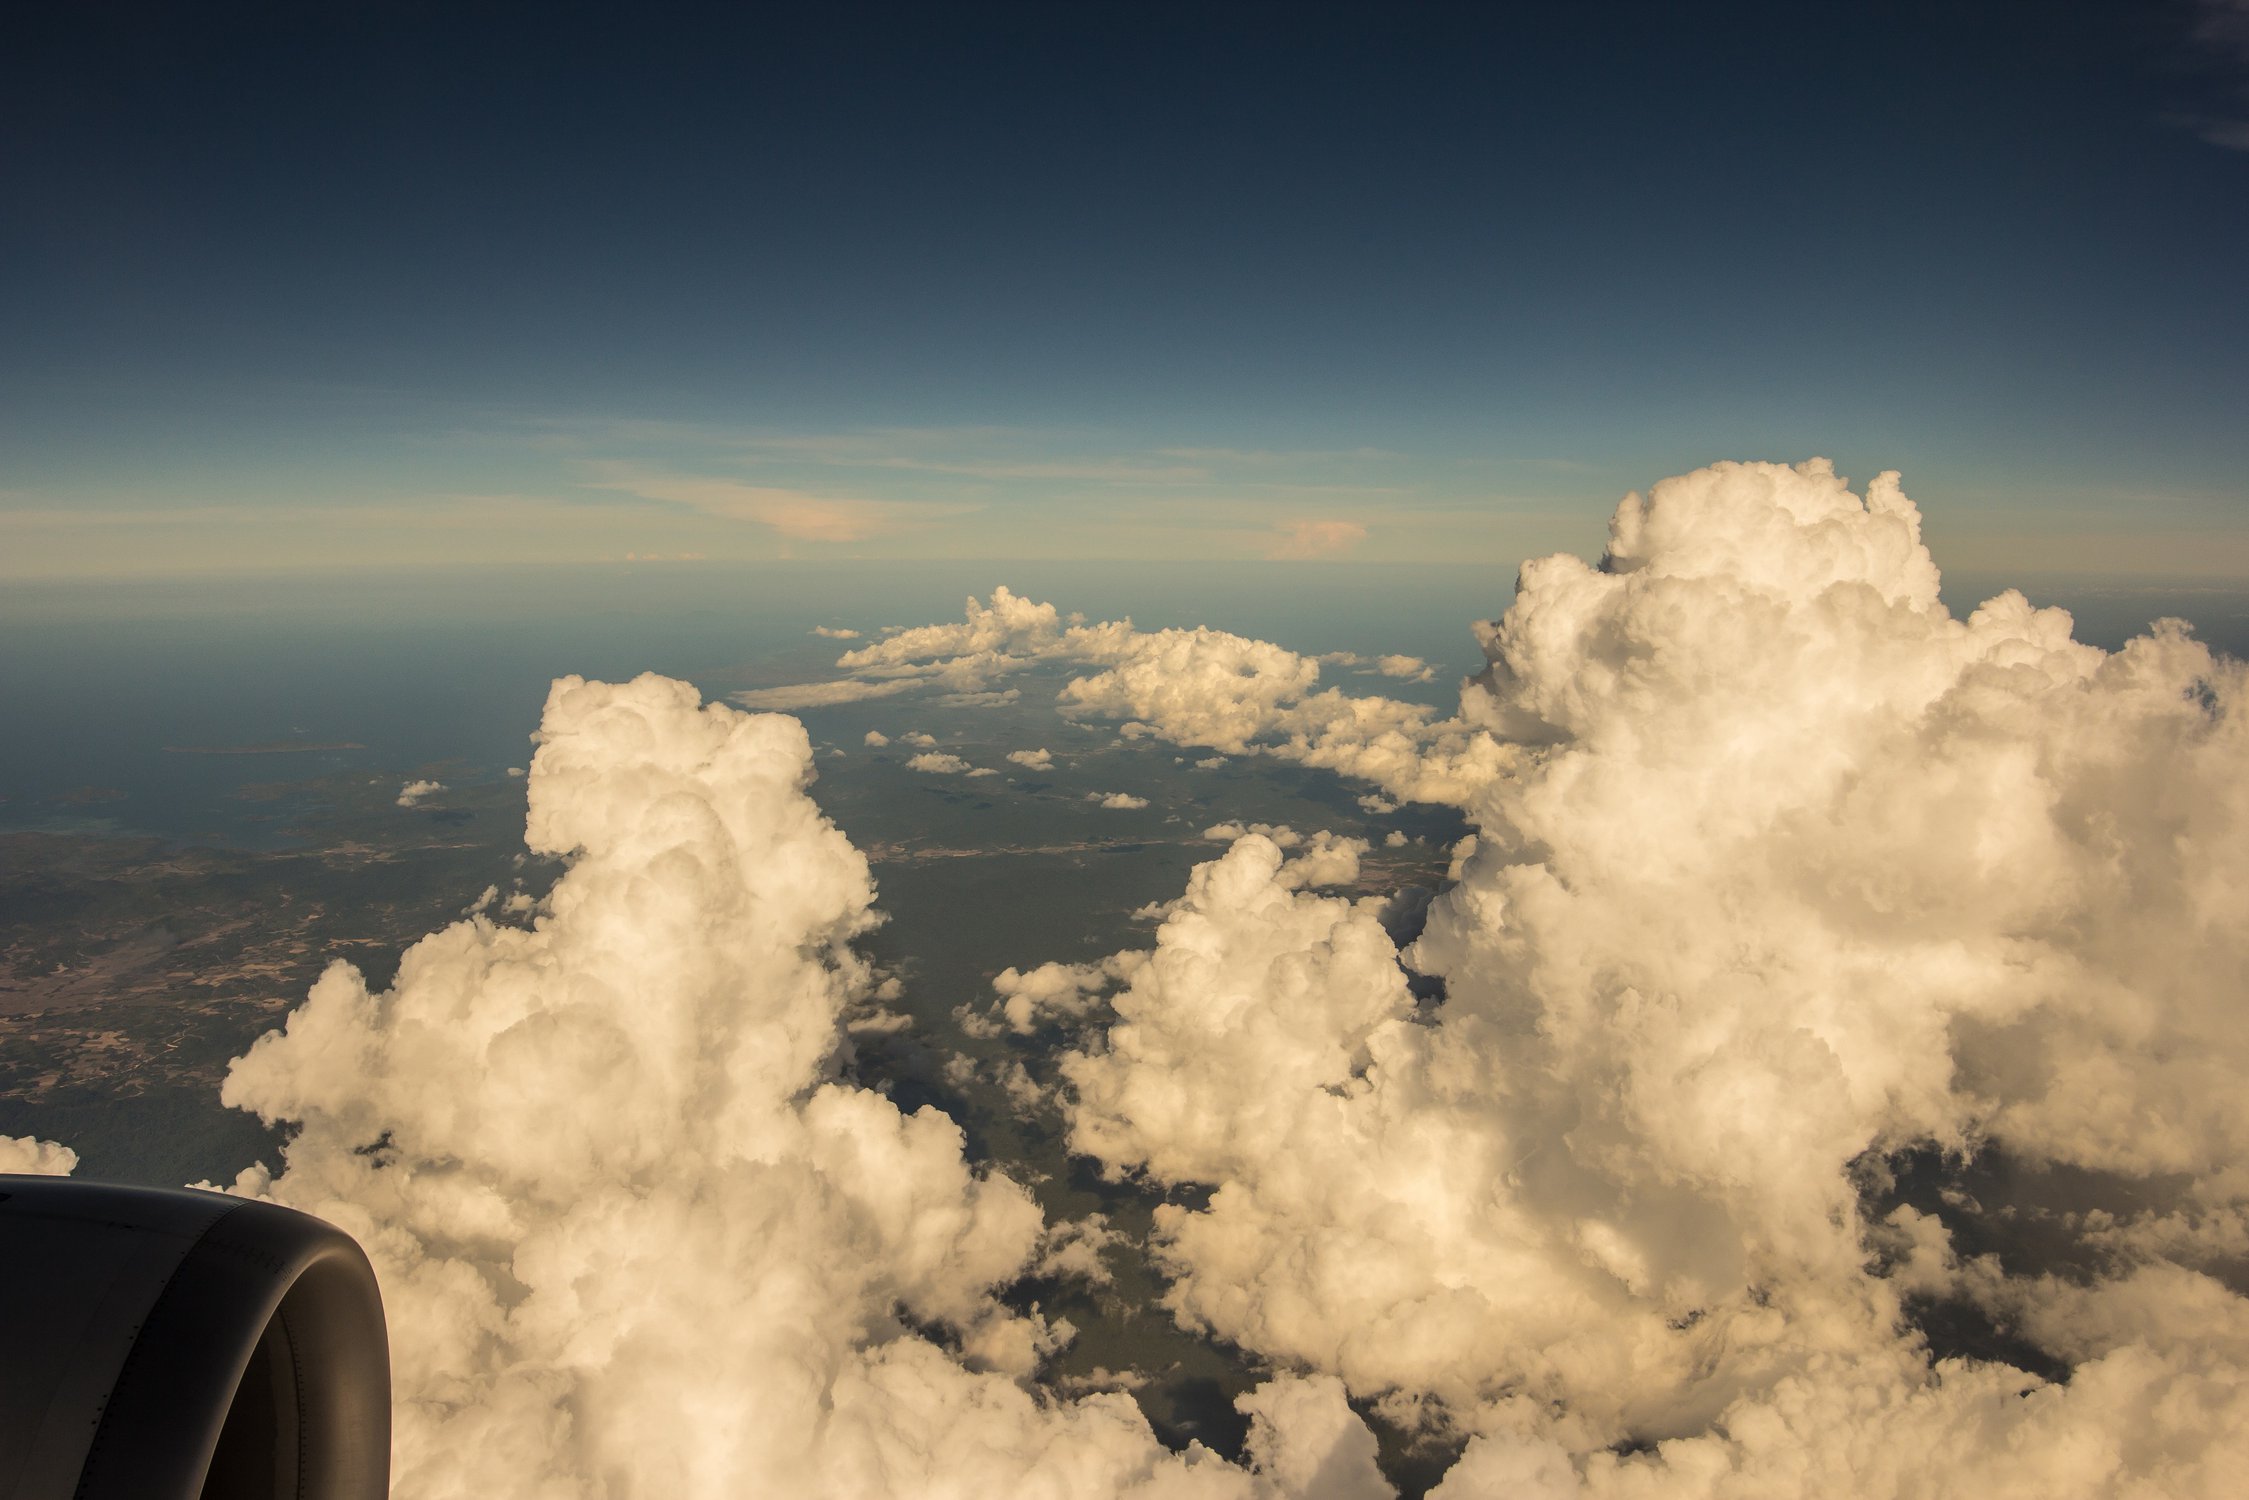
point(158, 1344)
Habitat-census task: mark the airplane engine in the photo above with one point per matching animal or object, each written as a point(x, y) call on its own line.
point(159, 1344)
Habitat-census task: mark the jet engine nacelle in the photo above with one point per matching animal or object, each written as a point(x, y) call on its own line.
point(163, 1345)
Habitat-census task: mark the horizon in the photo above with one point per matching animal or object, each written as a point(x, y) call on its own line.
point(1229, 282)
point(1133, 750)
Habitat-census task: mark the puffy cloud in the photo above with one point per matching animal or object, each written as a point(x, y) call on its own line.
point(1074, 1248)
point(1117, 801)
point(1779, 870)
point(877, 738)
point(413, 792)
point(1411, 668)
point(937, 763)
point(1033, 760)
point(1227, 986)
point(1304, 1434)
point(633, 1237)
point(1326, 859)
point(1323, 859)
point(1281, 834)
point(926, 741)
point(1779, 867)
point(834, 633)
point(1068, 991)
point(1009, 626)
point(2154, 1407)
point(1200, 687)
point(1228, 693)
point(36, 1158)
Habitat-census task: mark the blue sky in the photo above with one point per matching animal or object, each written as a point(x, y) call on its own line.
point(287, 291)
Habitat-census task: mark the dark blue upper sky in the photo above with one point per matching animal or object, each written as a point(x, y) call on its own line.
point(261, 252)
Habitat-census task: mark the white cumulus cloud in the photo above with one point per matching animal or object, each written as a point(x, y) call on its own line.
point(1779, 872)
point(36, 1158)
point(1411, 668)
point(1035, 760)
point(1119, 801)
point(413, 792)
point(1780, 868)
point(632, 1237)
point(1205, 688)
point(1009, 625)
point(1200, 687)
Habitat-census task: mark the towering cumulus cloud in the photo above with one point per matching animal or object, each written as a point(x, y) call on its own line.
point(1782, 872)
point(634, 1237)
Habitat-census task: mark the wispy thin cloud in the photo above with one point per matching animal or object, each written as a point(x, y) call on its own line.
point(1276, 455)
point(992, 453)
point(1110, 471)
point(2224, 27)
point(436, 511)
point(2221, 34)
point(979, 453)
point(793, 514)
point(1307, 539)
point(1275, 488)
point(880, 440)
point(93, 518)
point(2232, 135)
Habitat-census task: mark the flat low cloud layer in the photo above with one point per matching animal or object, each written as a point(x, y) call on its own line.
point(1783, 879)
point(820, 694)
